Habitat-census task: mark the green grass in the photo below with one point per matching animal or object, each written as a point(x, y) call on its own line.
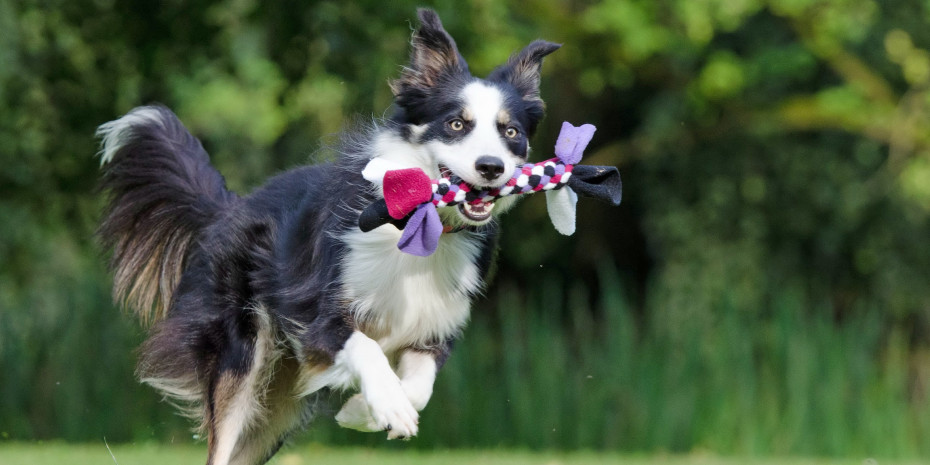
point(39, 453)
point(566, 367)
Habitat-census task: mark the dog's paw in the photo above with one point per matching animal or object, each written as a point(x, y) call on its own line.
point(356, 415)
point(395, 434)
point(399, 420)
point(392, 411)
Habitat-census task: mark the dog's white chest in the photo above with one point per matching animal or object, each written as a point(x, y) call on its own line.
point(402, 299)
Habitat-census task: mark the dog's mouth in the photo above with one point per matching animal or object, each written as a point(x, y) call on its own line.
point(445, 172)
point(479, 212)
point(473, 211)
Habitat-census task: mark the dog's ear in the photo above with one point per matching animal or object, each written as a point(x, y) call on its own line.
point(522, 69)
point(433, 56)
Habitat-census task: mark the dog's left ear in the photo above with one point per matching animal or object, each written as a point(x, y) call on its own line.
point(522, 69)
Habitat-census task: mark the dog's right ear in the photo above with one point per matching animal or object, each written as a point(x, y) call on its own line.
point(522, 69)
point(433, 56)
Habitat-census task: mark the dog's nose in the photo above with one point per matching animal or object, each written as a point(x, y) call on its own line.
point(489, 168)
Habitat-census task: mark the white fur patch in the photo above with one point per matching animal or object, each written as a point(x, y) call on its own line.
point(417, 372)
point(484, 103)
point(395, 151)
point(380, 387)
point(403, 300)
point(114, 134)
point(356, 415)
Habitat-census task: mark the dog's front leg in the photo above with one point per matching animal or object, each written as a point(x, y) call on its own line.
point(383, 403)
point(417, 372)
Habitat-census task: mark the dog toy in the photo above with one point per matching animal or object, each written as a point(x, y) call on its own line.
point(411, 197)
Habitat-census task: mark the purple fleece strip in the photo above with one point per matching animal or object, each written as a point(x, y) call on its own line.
point(421, 235)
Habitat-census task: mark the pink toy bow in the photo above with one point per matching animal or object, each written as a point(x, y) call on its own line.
point(405, 189)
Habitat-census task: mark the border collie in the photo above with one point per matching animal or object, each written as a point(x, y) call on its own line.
point(259, 304)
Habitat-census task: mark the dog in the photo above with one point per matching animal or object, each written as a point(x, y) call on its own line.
point(260, 304)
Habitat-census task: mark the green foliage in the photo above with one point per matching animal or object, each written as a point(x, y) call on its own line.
point(770, 292)
point(787, 382)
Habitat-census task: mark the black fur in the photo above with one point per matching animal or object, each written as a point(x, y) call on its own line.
point(521, 73)
point(435, 66)
point(162, 192)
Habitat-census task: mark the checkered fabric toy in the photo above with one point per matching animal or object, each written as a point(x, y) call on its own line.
point(411, 197)
point(542, 176)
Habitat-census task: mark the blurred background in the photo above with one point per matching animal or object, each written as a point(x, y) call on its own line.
point(763, 288)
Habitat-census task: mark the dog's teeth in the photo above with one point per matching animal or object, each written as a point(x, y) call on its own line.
point(479, 211)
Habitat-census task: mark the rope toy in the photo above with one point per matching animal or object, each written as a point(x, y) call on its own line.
point(411, 197)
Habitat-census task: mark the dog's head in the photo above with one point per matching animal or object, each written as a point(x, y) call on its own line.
point(476, 129)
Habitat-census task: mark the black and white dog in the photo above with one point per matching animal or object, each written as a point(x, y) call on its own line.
point(260, 303)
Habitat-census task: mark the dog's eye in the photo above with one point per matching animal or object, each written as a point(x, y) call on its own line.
point(456, 125)
point(511, 132)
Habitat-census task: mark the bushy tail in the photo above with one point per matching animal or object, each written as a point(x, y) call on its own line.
point(162, 193)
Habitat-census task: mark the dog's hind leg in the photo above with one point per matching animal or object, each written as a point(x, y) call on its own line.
point(236, 390)
point(231, 407)
point(284, 412)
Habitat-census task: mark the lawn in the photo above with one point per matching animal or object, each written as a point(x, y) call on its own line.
point(161, 454)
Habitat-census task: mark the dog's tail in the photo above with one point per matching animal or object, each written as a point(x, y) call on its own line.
point(162, 193)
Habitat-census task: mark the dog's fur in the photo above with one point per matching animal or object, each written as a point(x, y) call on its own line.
point(260, 303)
